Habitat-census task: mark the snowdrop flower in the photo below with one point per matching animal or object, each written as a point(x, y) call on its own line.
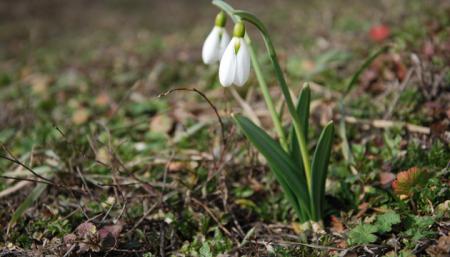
point(235, 63)
point(216, 42)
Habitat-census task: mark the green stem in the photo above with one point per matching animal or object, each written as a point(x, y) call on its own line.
point(291, 108)
point(267, 98)
point(285, 90)
point(276, 119)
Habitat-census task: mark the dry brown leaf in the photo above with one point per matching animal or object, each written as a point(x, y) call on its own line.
point(80, 116)
point(386, 178)
point(109, 235)
point(161, 123)
point(39, 82)
point(362, 209)
point(336, 225)
point(102, 99)
point(102, 155)
point(441, 249)
point(408, 180)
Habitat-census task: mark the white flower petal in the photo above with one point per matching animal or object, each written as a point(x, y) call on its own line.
point(224, 40)
point(227, 69)
point(211, 46)
point(242, 64)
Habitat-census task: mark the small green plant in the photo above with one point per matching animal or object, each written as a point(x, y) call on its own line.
point(302, 178)
point(362, 234)
point(365, 233)
point(418, 228)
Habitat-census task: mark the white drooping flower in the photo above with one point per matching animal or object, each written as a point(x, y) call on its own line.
point(235, 63)
point(215, 45)
point(216, 42)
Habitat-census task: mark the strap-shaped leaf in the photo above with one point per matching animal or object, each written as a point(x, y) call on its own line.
point(302, 108)
point(279, 161)
point(31, 198)
point(320, 162)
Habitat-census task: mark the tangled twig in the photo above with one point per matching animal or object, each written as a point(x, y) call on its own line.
point(206, 99)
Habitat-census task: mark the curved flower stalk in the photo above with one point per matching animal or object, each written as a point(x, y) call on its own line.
point(235, 63)
point(216, 42)
point(276, 119)
point(301, 177)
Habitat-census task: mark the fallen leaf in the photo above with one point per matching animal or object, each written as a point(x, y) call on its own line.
point(441, 249)
point(86, 230)
point(297, 227)
point(336, 225)
point(102, 99)
point(409, 180)
point(386, 178)
point(177, 166)
point(102, 155)
point(80, 116)
point(161, 123)
point(39, 82)
point(362, 209)
point(109, 235)
point(379, 33)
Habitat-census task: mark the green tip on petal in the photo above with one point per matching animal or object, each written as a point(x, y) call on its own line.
point(239, 29)
point(221, 19)
point(237, 45)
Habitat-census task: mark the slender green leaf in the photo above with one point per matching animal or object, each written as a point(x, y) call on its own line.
point(31, 198)
point(27, 203)
point(246, 16)
point(303, 104)
point(320, 162)
point(346, 149)
point(279, 161)
point(364, 66)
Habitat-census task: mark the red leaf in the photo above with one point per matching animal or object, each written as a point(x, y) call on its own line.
point(409, 180)
point(379, 33)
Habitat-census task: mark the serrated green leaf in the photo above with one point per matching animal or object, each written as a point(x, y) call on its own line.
point(419, 227)
point(205, 251)
point(385, 221)
point(362, 234)
point(285, 170)
point(320, 163)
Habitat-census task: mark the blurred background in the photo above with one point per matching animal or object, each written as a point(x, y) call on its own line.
point(106, 44)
